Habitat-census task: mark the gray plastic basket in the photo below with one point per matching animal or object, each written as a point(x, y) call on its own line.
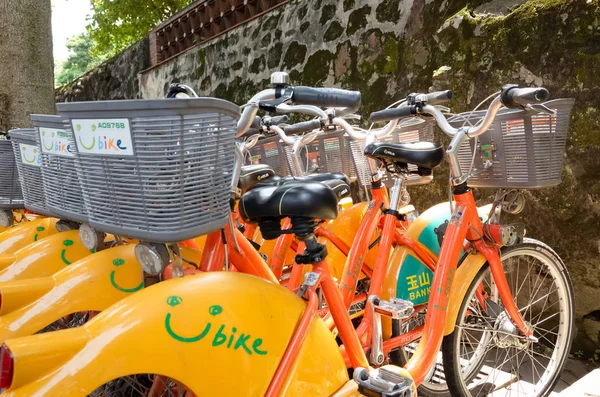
point(409, 130)
point(329, 152)
point(269, 151)
point(61, 184)
point(29, 164)
point(156, 170)
point(525, 148)
point(11, 196)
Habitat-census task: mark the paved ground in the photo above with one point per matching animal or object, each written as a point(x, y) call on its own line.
point(579, 379)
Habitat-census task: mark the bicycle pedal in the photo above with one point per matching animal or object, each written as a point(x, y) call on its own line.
point(395, 308)
point(382, 383)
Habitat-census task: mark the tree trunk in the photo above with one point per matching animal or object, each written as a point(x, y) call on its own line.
point(26, 61)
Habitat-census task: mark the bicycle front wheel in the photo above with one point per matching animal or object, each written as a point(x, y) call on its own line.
point(486, 354)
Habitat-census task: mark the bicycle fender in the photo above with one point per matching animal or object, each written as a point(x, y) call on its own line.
point(92, 283)
point(21, 235)
point(465, 274)
point(45, 257)
point(219, 333)
point(407, 277)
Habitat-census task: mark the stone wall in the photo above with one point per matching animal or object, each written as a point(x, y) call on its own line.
point(117, 78)
point(389, 48)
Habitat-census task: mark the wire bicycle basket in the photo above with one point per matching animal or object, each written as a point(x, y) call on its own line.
point(155, 170)
point(269, 151)
point(522, 149)
point(61, 183)
point(11, 195)
point(28, 159)
point(409, 130)
point(328, 152)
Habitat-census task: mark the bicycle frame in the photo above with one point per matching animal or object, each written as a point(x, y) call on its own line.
point(464, 224)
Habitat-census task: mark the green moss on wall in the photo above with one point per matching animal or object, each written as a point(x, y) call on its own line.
point(317, 67)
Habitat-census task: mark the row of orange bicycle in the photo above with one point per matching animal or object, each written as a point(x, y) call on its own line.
point(186, 246)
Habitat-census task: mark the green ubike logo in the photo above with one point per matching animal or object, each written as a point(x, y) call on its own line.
point(55, 141)
point(105, 137)
point(223, 336)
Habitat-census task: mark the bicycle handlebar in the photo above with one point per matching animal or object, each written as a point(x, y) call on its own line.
point(514, 97)
point(393, 113)
point(304, 126)
point(520, 96)
point(439, 97)
point(326, 97)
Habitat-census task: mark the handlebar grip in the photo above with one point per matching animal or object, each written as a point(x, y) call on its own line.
point(276, 120)
point(514, 97)
point(393, 114)
point(326, 97)
point(438, 97)
point(255, 123)
point(305, 126)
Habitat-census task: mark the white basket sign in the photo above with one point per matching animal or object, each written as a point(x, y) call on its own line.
point(55, 141)
point(30, 155)
point(108, 137)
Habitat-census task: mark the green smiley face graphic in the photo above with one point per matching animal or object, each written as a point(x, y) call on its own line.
point(66, 243)
point(38, 229)
point(117, 263)
point(46, 146)
point(32, 161)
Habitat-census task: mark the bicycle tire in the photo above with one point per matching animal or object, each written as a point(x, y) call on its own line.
point(464, 375)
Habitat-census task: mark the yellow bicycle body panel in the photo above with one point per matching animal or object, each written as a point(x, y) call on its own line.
point(26, 233)
point(345, 227)
point(219, 333)
point(92, 283)
point(17, 293)
point(45, 257)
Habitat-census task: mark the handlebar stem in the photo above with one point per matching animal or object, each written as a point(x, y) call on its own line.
point(237, 167)
point(471, 132)
point(249, 111)
point(457, 177)
point(287, 139)
point(298, 145)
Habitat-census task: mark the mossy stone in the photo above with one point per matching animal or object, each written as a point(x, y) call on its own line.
point(317, 67)
point(295, 54)
point(304, 26)
point(327, 13)
point(388, 11)
point(349, 4)
point(274, 55)
point(237, 65)
point(333, 32)
point(257, 64)
point(357, 20)
point(266, 40)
